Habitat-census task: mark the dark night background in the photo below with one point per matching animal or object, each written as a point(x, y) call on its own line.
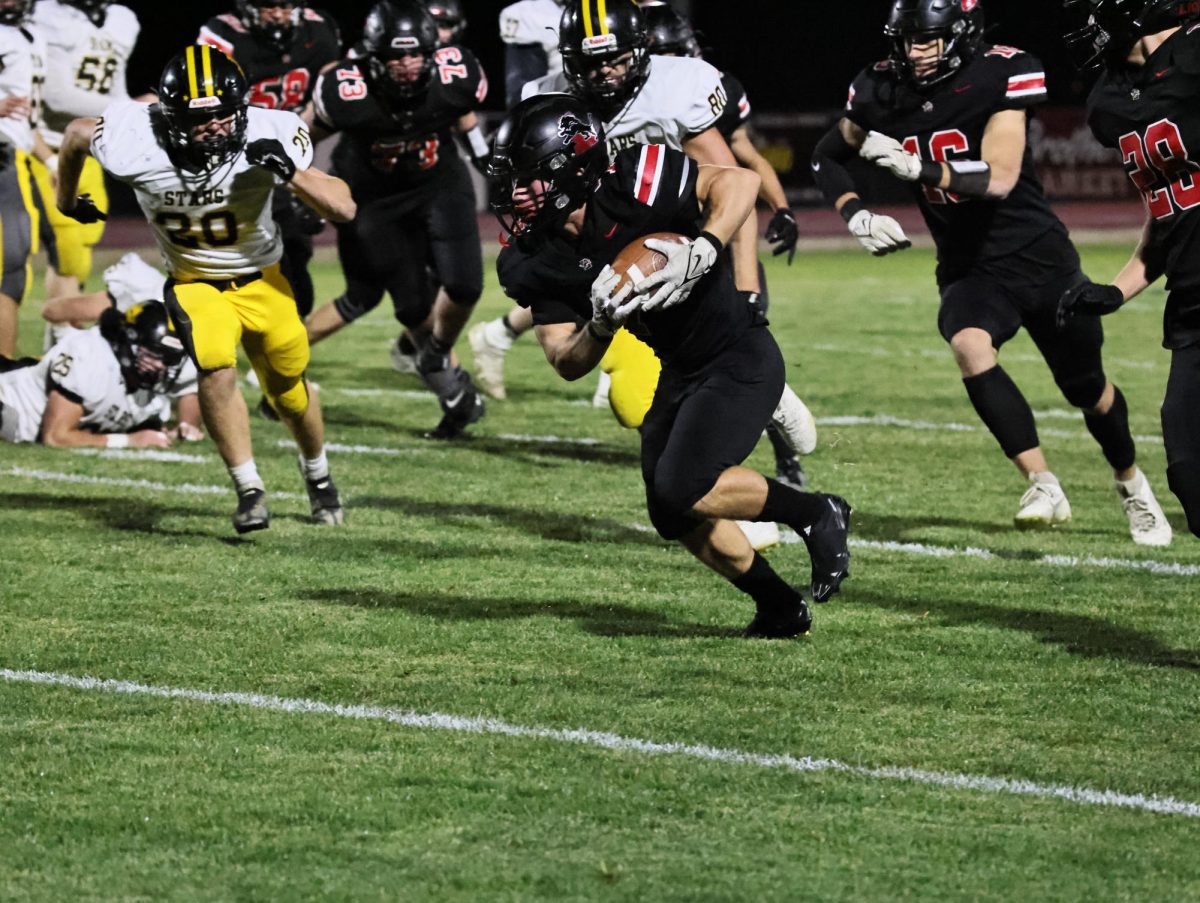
point(791, 54)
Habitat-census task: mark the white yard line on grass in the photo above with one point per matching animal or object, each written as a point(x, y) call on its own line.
point(145, 454)
point(1163, 805)
point(889, 420)
point(51, 476)
point(930, 354)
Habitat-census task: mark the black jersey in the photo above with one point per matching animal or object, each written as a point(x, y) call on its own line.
point(278, 82)
point(1151, 115)
point(947, 123)
point(647, 189)
point(389, 147)
point(737, 107)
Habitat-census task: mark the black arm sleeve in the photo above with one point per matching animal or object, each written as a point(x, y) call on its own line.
point(829, 165)
point(522, 63)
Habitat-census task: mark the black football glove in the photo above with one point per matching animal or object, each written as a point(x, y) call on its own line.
point(86, 211)
point(1089, 299)
point(306, 220)
point(783, 232)
point(270, 155)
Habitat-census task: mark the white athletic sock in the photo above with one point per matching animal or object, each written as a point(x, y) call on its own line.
point(499, 335)
point(245, 477)
point(315, 468)
point(1134, 484)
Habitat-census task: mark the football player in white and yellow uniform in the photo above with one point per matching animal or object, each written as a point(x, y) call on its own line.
point(204, 166)
point(21, 61)
point(88, 44)
point(529, 30)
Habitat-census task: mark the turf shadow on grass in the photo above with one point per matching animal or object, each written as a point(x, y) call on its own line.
point(130, 515)
point(601, 619)
point(552, 525)
point(895, 528)
point(1073, 633)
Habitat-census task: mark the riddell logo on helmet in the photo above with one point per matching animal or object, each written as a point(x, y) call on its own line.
point(203, 103)
point(599, 43)
point(576, 133)
point(405, 43)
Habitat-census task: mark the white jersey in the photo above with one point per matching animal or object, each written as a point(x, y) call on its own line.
point(85, 62)
point(83, 368)
point(681, 97)
point(131, 281)
point(22, 72)
point(534, 22)
point(212, 224)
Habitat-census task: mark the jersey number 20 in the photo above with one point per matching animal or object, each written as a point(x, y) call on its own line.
point(219, 229)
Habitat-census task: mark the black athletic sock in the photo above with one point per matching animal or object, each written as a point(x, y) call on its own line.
point(783, 451)
point(1111, 430)
point(770, 592)
point(508, 326)
point(1003, 410)
point(790, 506)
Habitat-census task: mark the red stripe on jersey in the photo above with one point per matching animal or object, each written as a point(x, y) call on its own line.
point(651, 160)
point(212, 40)
point(481, 92)
point(1027, 83)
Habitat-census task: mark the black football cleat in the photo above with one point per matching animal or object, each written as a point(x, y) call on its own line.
point(459, 410)
point(251, 511)
point(780, 626)
point(789, 472)
point(827, 542)
point(326, 503)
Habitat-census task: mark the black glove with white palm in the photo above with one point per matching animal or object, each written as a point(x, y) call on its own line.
point(686, 265)
point(888, 153)
point(270, 155)
point(610, 307)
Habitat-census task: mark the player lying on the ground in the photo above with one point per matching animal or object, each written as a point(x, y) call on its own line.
point(722, 372)
point(1145, 106)
point(110, 386)
point(127, 282)
point(204, 166)
point(947, 112)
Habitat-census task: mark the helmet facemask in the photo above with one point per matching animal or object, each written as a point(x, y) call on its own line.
point(956, 29)
point(402, 73)
point(203, 106)
point(15, 12)
point(148, 351)
point(277, 32)
point(1114, 26)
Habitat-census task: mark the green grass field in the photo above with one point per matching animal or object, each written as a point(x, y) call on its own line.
point(511, 577)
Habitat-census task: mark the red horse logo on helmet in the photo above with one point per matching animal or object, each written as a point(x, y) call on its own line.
point(576, 133)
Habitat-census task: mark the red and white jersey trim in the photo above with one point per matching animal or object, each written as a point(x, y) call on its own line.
point(1027, 85)
point(649, 174)
point(210, 37)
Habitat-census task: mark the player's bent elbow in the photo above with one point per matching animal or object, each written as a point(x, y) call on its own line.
point(1002, 185)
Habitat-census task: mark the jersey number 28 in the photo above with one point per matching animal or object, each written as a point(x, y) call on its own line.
point(1158, 165)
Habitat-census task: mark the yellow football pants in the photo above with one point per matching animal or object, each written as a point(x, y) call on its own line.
point(211, 320)
point(75, 240)
point(634, 369)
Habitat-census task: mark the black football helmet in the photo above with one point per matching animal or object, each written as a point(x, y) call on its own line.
point(958, 24)
point(15, 12)
point(200, 85)
point(145, 345)
point(276, 35)
point(1114, 26)
point(395, 30)
point(450, 18)
point(96, 10)
point(669, 33)
point(591, 33)
point(553, 138)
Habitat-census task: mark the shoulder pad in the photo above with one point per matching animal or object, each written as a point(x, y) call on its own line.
point(232, 22)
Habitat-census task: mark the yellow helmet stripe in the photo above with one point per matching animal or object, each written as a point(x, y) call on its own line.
point(193, 87)
point(209, 87)
point(602, 15)
point(587, 19)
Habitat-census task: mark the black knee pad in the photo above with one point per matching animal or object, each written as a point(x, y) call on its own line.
point(1004, 410)
point(354, 304)
point(463, 295)
point(1184, 480)
point(1111, 431)
point(1082, 390)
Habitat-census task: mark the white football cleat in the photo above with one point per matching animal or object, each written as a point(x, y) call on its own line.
point(404, 354)
point(603, 387)
point(490, 342)
point(762, 535)
point(1044, 503)
point(1147, 524)
point(795, 422)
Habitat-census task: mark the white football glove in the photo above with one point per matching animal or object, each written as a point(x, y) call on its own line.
point(878, 234)
point(610, 309)
point(686, 264)
point(891, 155)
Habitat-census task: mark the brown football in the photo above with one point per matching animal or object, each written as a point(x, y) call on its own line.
point(636, 261)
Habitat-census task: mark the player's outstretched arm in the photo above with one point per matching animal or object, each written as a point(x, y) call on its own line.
point(327, 195)
point(60, 429)
point(782, 230)
point(77, 309)
point(77, 140)
point(191, 424)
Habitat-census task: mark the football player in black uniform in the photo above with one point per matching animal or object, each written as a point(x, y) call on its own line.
point(948, 112)
point(281, 45)
point(398, 107)
point(570, 214)
point(450, 19)
point(1145, 106)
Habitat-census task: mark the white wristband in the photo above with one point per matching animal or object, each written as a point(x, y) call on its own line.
point(116, 440)
point(52, 164)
